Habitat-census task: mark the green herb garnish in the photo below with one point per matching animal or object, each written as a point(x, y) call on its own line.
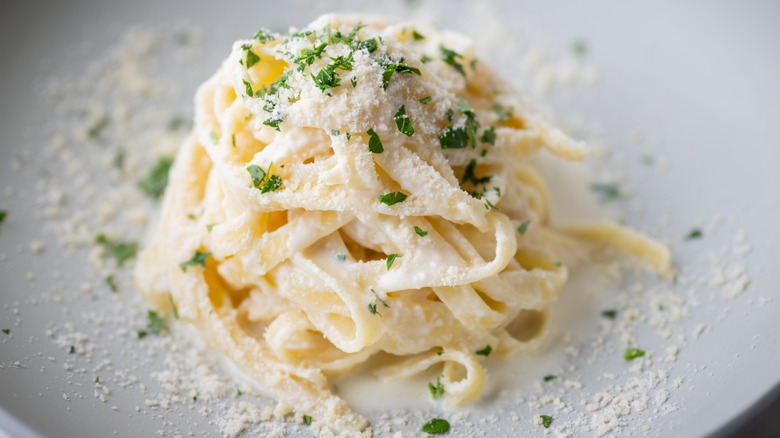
point(121, 251)
point(154, 323)
point(199, 258)
point(605, 192)
point(489, 136)
point(174, 309)
point(485, 351)
point(7, 331)
point(426, 100)
point(437, 426)
point(3, 215)
point(390, 260)
point(695, 233)
point(392, 198)
point(470, 176)
point(549, 377)
point(523, 227)
point(384, 303)
point(257, 174)
point(503, 114)
point(546, 421)
point(111, 283)
point(403, 122)
point(396, 68)
point(609, 314)
point(251, 58)
point(155, 182)
point(374, 143)
point(437, 390)
point(308, 56)
point(420, 232)
point(451, 58)
point(372, 309)
point(263, 35)
point(326, 78)
point(264, 180)
point(453, 138)
point(633, 353)
point(307, 420)
point(417, 36)
point(579, 47)
point(341, 257)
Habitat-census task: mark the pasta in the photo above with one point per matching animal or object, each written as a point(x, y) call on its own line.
point(358, 189)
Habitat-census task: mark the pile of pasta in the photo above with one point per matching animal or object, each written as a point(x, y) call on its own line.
point(360, 188)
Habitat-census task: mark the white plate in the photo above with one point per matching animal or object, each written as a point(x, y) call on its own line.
point(693, 85)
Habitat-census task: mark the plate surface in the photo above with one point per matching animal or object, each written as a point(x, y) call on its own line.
point(684, 97)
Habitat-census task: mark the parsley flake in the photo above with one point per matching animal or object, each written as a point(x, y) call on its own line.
point(489, 136)
point(353, 81)
point(609, 314)
point(437, 390)
point(523, 227)
point(121, 251)
point(605, 192)
point(417, 35)
point(199, 258)
point(426, 100)
point(453, 138)
point(392, 198)
point(694, 234)
point(326, 79)
point(335, 132)
point(256, 173)
point(420, 232)
point(579, 47)
point(503, 113)
point(248, 88)
point(470, 176)
point(157, 179)
point(546, 421)
point(7, 331)
point(437, 426)
point(341, 257)
point(251, 58)
point(392, 68)
point(485, 351)
point(374, 143)
point(154, 323)
point(111, 283)
point(390, 259)
point(403, 122)
point(633, 353)
point(372, 309)
point(549, 377)
point(3, 215)
point(384, 303)
point(174, 309)
point(263, 35)
point(451, 58)
point(307, 420)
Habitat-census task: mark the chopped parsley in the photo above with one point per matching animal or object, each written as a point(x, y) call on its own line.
point(489, 136)
point(470, 176)
point(3, 215)
point(119, 159)
point(609, 314)
point(308, 56)
point(372, 309)
point(403, 122)
point(450, 113)
point(174, 309)
point(370, 45)
point(549, 377)
point(390, 260)
point(111, 283)
point(7, 331)
point(384, 303)
point(263, 35)
point(335, 132)
point(251, 58)
point(451, 58)
point(199, 258)
point(546, 421)
point(426, 100)
point(503, 113)
point(437, 390)
point(213, 136)
point(341, 257)
point(273, 122)
point(633, 353)
point(420, 232)
point(344, 63)
point(238, 392)
point(264, 180)
point(453, 138)
point(326, 78)
point(374, 143)
point(154, 323)
point(579, 47)
point(417, 35)
point(523, 227)
point(605, 192)
point(155, 182)
point(353, 81)
point(248, 88)
point(392, 198)
point(121, 251)
point(97, 379)
point(437, 426)
point(307, 420)
point(209, 227)
point(72, 349)
point(392, 68)
point(694, 234)
point(485, 351)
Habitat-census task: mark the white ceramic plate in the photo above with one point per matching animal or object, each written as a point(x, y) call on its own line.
point(694, 86)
